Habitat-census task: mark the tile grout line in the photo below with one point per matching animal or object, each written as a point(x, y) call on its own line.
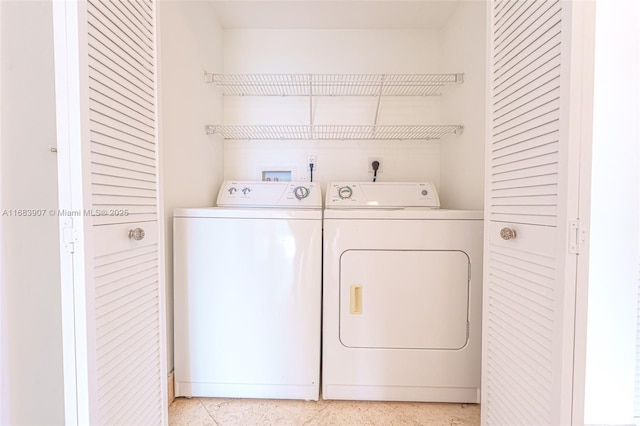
point(208, 412)
point(329, 402)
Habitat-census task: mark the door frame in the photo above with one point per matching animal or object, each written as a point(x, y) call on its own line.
point(67, 28)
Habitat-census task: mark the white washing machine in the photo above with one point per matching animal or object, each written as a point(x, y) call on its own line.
point(402, 295)
point(247, 289)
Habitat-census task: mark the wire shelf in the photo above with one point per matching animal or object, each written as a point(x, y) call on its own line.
point(334, 132)
point(333, 84)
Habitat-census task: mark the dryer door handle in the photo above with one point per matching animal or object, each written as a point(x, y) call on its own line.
point(355, 300)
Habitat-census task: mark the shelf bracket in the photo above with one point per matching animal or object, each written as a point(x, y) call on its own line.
point(459, 78)
point(310, 99)
point(459, 130)
point(208, 77)
point(210, 130)
point(375, 120)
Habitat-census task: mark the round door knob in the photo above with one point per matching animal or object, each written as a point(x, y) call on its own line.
point(507, 234)
point(136, 234)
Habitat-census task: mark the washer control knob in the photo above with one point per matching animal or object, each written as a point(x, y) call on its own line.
point(301, 192)
point(232, 190)
point(425, 192)
point(507, 234)
point(345, 192)
point(246, 190)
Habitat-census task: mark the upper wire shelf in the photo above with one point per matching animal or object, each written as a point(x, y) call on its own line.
point(333, 84)
point(334, 132)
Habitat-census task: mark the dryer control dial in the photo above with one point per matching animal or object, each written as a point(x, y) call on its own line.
point(345, 192)
point(301, 192)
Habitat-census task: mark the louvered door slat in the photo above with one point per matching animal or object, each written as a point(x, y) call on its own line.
point(101, 133)
point(508, 27)
point(109, 170)
point(146, 5)
point(506, 10)
point(530, 75)
point(125, 162)
point(525, 26)
point(123, 410)
point(520, 124)
point(118, 59)
point(121, 105)
point(522, 151)
point(126, 280)
point(527, 373)
point(550, 51)
point(139, 31)
point(101, 72)
point(117, 70)
point(498, 193)
point(528, 160)
point(118, 127)
point(545, 39)
point(129, 14)
point(128, 191)
point(135, 13)
point(114, 367)
point(122, 46)
point(122, 182)
point(126, 154)
point(133, 103)
point(526, 364)
point(540, 99)
point(527, 43)
point(103, 141)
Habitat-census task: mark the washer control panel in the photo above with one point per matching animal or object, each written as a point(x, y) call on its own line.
point(381, 195)
point(269, 194)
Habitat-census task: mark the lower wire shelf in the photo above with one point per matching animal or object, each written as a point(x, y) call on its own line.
point(334, 132)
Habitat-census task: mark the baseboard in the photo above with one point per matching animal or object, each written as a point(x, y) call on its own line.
point(171, 392)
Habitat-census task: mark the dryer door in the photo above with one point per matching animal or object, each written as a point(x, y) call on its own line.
point(404, 299)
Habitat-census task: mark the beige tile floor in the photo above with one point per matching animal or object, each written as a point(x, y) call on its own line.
point(249, 412)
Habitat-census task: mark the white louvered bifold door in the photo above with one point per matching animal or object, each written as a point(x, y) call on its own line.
point(120, 321)
point(532, 189)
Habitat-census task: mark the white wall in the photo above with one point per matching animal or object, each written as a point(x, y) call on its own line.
point(615, 213)
point(462, 156)
point(332, 51)
point(191, 161)
point(31, 334)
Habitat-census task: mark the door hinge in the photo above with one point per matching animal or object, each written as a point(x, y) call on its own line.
point(69, 238)
point(577, 236)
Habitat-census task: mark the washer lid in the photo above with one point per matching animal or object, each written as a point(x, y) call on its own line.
point(370, 195)
point(299, 195)
point(248, 213)
point(403, 213)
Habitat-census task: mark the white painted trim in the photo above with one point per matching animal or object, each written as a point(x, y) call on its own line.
point(587, 38)
point(4, 399)
point(66, 34)
point(487, 182)
point(162, 291)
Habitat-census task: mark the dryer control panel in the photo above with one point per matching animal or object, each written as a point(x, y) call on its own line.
point(381, 195)
point(270, 194)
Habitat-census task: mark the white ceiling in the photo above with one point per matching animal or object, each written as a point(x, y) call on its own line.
point(331, 14)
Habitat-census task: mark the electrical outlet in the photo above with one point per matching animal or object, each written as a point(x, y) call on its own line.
point(312, 160)
point(371, 160)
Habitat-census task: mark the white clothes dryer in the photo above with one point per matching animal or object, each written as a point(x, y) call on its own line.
point(402, 295)
point(247, 288)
